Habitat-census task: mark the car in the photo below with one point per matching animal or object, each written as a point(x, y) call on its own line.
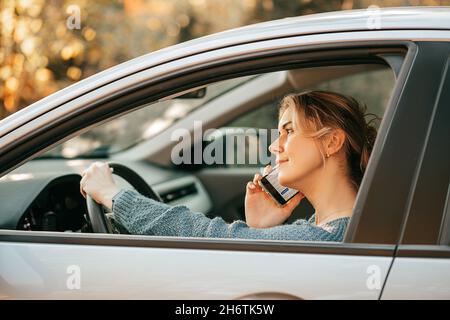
point(134, 115)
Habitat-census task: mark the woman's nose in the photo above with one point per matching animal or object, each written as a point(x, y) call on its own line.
point(276, 147)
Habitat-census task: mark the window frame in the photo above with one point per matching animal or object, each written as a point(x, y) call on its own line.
point(426, 230)
point(427, 62)
point(101, 111)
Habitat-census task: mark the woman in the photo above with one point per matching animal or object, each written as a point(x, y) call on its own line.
point(322, 151)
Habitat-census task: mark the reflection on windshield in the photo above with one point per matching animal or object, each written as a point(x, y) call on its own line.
point(124, 132)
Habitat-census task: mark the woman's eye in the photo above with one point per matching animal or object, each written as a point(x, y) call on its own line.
point(285, 131)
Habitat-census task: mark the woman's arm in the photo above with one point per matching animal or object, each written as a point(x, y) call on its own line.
point(141, 215)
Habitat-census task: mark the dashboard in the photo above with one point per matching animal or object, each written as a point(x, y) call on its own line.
point(44, 195)
point(59, 207)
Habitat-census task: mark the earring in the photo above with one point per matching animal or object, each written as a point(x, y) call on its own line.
point(328, 155)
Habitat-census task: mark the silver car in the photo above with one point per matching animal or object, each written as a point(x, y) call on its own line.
point(396, 245)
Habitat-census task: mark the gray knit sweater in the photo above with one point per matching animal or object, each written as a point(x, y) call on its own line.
point(141, 215)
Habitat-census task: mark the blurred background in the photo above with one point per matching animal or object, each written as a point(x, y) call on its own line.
point(45, 47)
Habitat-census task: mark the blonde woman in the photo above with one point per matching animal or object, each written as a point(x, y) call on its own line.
point(322, 151)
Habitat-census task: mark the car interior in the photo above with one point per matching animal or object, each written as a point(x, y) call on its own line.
point(43, 194)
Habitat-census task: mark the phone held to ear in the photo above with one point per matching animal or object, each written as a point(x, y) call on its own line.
point(279, 193)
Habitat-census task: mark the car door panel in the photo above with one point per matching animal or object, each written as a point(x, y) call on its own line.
point(43, 271)
point(419, 272)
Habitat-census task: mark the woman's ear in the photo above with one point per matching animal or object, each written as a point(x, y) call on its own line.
point(335, 141)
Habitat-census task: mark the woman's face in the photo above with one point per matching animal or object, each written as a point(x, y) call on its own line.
point(298, 156)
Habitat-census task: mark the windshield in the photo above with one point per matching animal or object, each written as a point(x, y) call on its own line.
point(124, 132)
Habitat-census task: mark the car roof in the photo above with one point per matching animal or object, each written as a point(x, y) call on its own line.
point(404, 18)
point(401, 18)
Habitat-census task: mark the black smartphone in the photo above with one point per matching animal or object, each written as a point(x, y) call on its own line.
point(279, 193)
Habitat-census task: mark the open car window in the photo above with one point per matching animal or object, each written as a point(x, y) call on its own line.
point(122, 133)
point(372, 85)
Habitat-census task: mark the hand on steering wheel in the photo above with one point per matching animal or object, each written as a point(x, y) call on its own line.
point(99, 222)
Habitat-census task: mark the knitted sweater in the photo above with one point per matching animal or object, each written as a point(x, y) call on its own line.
point(142, 215)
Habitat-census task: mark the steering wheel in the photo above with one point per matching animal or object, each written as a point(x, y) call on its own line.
point(96, 214)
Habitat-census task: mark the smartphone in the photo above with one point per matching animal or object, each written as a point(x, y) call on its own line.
point(279, 193)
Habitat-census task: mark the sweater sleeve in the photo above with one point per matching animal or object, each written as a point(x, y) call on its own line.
point(141, 215)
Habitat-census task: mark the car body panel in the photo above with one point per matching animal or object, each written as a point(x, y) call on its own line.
point(46, 271)
point(46, 264)
point(420, 277)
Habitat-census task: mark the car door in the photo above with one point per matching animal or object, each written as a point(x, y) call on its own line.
point(60, 265)
point(421, 269)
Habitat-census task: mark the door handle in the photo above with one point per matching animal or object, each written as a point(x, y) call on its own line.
point(268, 296)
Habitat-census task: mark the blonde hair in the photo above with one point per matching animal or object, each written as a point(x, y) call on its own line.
point(319, 112)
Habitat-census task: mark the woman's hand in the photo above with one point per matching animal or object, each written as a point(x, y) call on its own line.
point(97, 181)
point(261, 211)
